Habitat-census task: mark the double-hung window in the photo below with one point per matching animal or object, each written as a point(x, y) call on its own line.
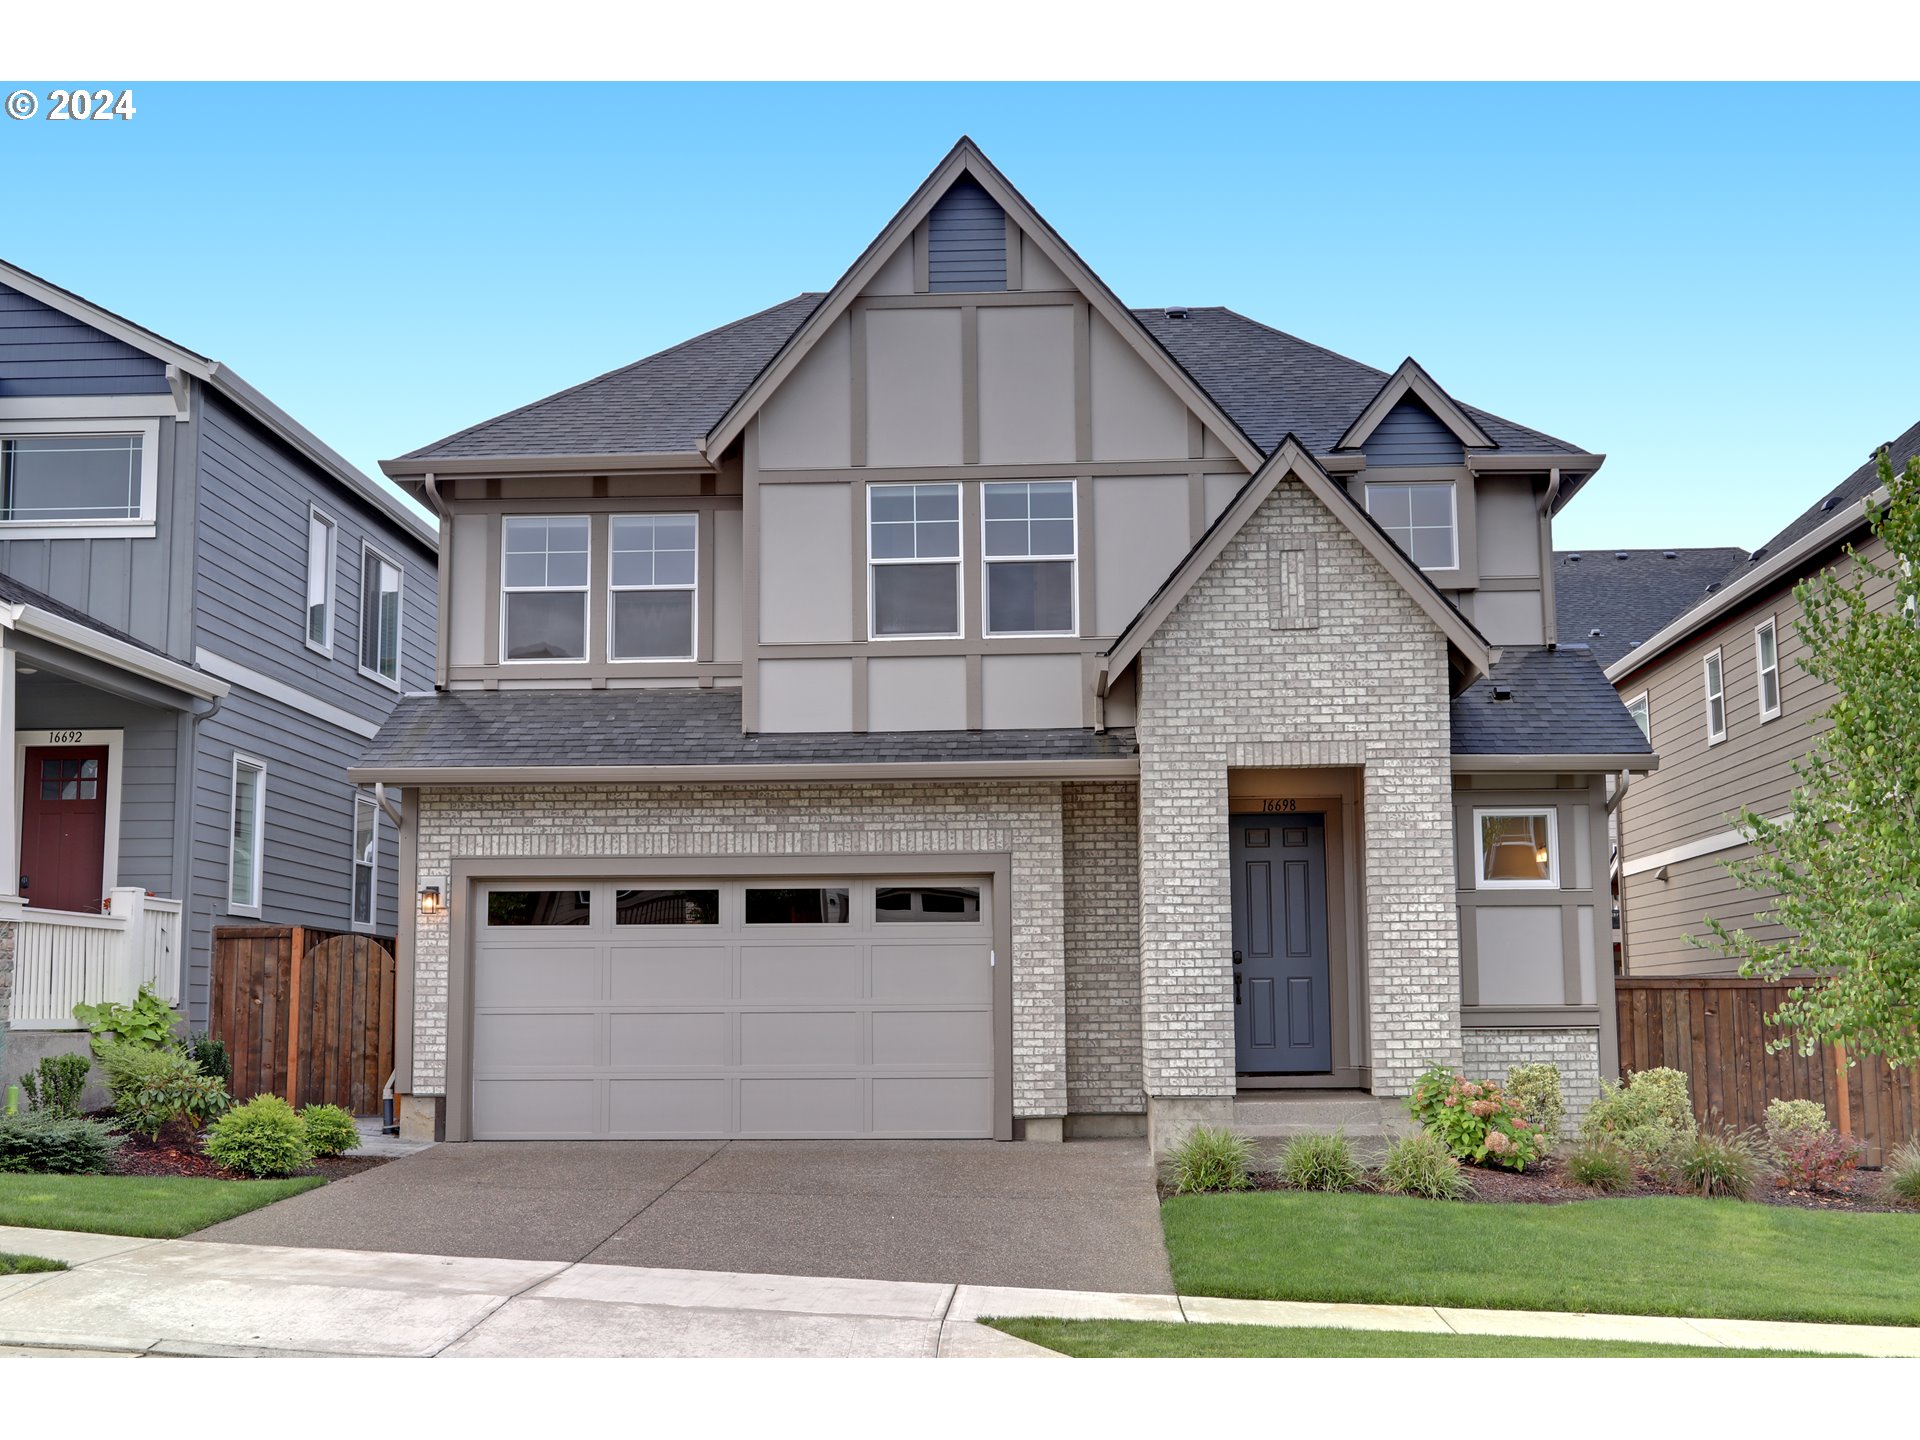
point(1518, 850)
point(1027, 536)
point(320, 564)
point(246, 834)
point(1716, 701)
point(1642, 715)
point(543, 580)
point(380, 597)
point(913, 549)
point(366, 859)
point(653, 571)
point(1420, 519)
point(1766, 661)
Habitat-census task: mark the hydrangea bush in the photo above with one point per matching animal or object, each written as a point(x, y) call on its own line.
point(1476, 1119)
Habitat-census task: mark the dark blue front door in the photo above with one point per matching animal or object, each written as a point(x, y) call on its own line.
point(1282, 1013)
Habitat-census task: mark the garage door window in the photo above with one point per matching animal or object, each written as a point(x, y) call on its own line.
point(930, 904)
point(539, 907)
point(666, 907)
point(826, 905)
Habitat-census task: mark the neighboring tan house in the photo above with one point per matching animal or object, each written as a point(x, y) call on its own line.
point(960, 705)
point(1729, 708)
point(204, 614)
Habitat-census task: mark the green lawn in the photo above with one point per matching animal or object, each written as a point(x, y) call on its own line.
point(1655, 1256)
point(160, 1207)
point(27, 1264)
point(1162, 1339)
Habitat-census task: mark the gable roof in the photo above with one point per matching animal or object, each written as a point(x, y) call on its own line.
point(1626, 596)
point(1557, 702)
point(1411, 379)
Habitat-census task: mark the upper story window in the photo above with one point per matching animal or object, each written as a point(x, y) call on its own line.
point(1766, 660)
point(653, 572)
point(85, 476)
point(1421, 519)
point(1518, 849)
point(913, 544)
point(1642, 715)
point(1716, 701)
point(1028, 538)
point(381, 594)
point(321, 540)
point(543, 580)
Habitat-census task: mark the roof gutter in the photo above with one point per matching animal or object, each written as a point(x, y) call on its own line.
point(412, 468)
point(1497, 764)
point(1123, 768)
point(1759, 578)
point(135, 660)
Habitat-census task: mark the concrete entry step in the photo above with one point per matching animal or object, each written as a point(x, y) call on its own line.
point(1270, 1118)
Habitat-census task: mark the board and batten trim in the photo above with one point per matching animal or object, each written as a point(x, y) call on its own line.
point(238, 674)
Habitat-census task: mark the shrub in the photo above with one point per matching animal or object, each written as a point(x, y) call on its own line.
point(57, 1086)
point(155, 1089)
point(1813, 1159)
point(1475, 1120)
point(1210, 1159)
point(1649, 1117)
point(147, 1024)
point(1900, 1177)
point(211, 1056)
point(1600, 1165)
point(1713, 1164)
point(329, 1130)
point(1420, 1164)
point(1320, 1162)
point(1535, 1093)
point(262, 1137)
point(48, 1144)
point(1788, 1118)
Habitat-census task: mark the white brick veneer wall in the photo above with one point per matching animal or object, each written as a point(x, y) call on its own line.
point(1367, 686)
point(1101, 824)
point(1489, 1054)
point(590, 821)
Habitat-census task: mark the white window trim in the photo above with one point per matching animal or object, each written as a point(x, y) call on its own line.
point(138, 527)
point(958, 562)
point(986, 564)
point(259, 835)
point(1531, 812)
point(1453, 503)
point(693, 631)
point(1645, 701)
point(315, 513)
point(362, 799)
point(367, 547)
point(1767, 626)
point(585, 592)
point(115, 743)
point(1709, 663)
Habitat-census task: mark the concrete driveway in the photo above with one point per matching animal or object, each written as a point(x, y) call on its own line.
point(1079, 1216)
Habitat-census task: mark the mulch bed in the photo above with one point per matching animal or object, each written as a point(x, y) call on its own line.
point(172, 1156)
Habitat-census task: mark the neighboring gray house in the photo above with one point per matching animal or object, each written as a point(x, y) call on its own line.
point(960, 705)
point(204, 614)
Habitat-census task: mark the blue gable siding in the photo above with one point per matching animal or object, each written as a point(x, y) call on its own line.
point(1412, 435)
point(966, 241)
point(45, 352)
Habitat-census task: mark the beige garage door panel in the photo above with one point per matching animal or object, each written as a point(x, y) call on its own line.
point(593, 1029)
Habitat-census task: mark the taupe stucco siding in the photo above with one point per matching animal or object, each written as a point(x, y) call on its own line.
point(1101, 826)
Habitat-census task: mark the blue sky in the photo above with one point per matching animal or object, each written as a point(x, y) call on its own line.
point(1715, 285)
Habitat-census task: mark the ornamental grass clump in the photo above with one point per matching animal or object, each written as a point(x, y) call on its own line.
point(1718, 1165)
point(1321, 1162)
point(1600, 1165)
point(1420, 1164)
point(1475, 1119)
point(1211, 1159)
point(1900, 1177)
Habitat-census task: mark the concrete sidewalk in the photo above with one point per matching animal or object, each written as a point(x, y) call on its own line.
point(168, 1297)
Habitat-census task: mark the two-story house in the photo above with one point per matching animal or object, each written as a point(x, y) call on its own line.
point(957, 704)
point(1720, 690)
point(204, 614)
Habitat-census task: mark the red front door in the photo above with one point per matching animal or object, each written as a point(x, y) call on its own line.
point(63, 826)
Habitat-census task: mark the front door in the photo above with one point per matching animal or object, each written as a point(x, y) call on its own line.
point(1282, 1012)
point(63, 826)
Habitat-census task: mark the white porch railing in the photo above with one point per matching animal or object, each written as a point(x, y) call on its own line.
point(62, 958)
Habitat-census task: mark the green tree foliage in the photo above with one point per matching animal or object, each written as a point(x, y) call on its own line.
point(1845, 861)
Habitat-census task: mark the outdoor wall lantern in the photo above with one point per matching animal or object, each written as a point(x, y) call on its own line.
point(429, 899)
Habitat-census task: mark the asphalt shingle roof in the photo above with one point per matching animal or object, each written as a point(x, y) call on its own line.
point(569, 729)
point(1561, 704)
point(15, 593)
point(1628, 595)
point(1856, 487)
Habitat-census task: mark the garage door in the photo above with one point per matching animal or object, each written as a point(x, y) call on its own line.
point(653, 1009)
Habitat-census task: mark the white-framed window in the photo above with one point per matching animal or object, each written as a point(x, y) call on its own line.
point(246, 835)
point(1642, 714)
point(78, 478)
point(322, 542)
point(366, 860)
point(1420, 517)
point(1028, 550)
point(913, 555)
point(1716, 700)
point(653, 574)
point(544, 566)
point(1518, 849)
point(382, 591)
point(1766, 664)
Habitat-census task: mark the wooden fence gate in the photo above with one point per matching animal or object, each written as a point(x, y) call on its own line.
point(1714, 1028)
point(305, 1014)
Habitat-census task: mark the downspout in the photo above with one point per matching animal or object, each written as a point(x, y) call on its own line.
point(1550, 621)
point(393, 811)
point(1620, 791)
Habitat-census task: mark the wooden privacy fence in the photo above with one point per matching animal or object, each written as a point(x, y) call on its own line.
point(1714, 1028)
point(306, 1014)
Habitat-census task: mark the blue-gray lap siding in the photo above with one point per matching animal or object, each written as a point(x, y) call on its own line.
point(966, 241)
point(46, 352)
point(1411, 434)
